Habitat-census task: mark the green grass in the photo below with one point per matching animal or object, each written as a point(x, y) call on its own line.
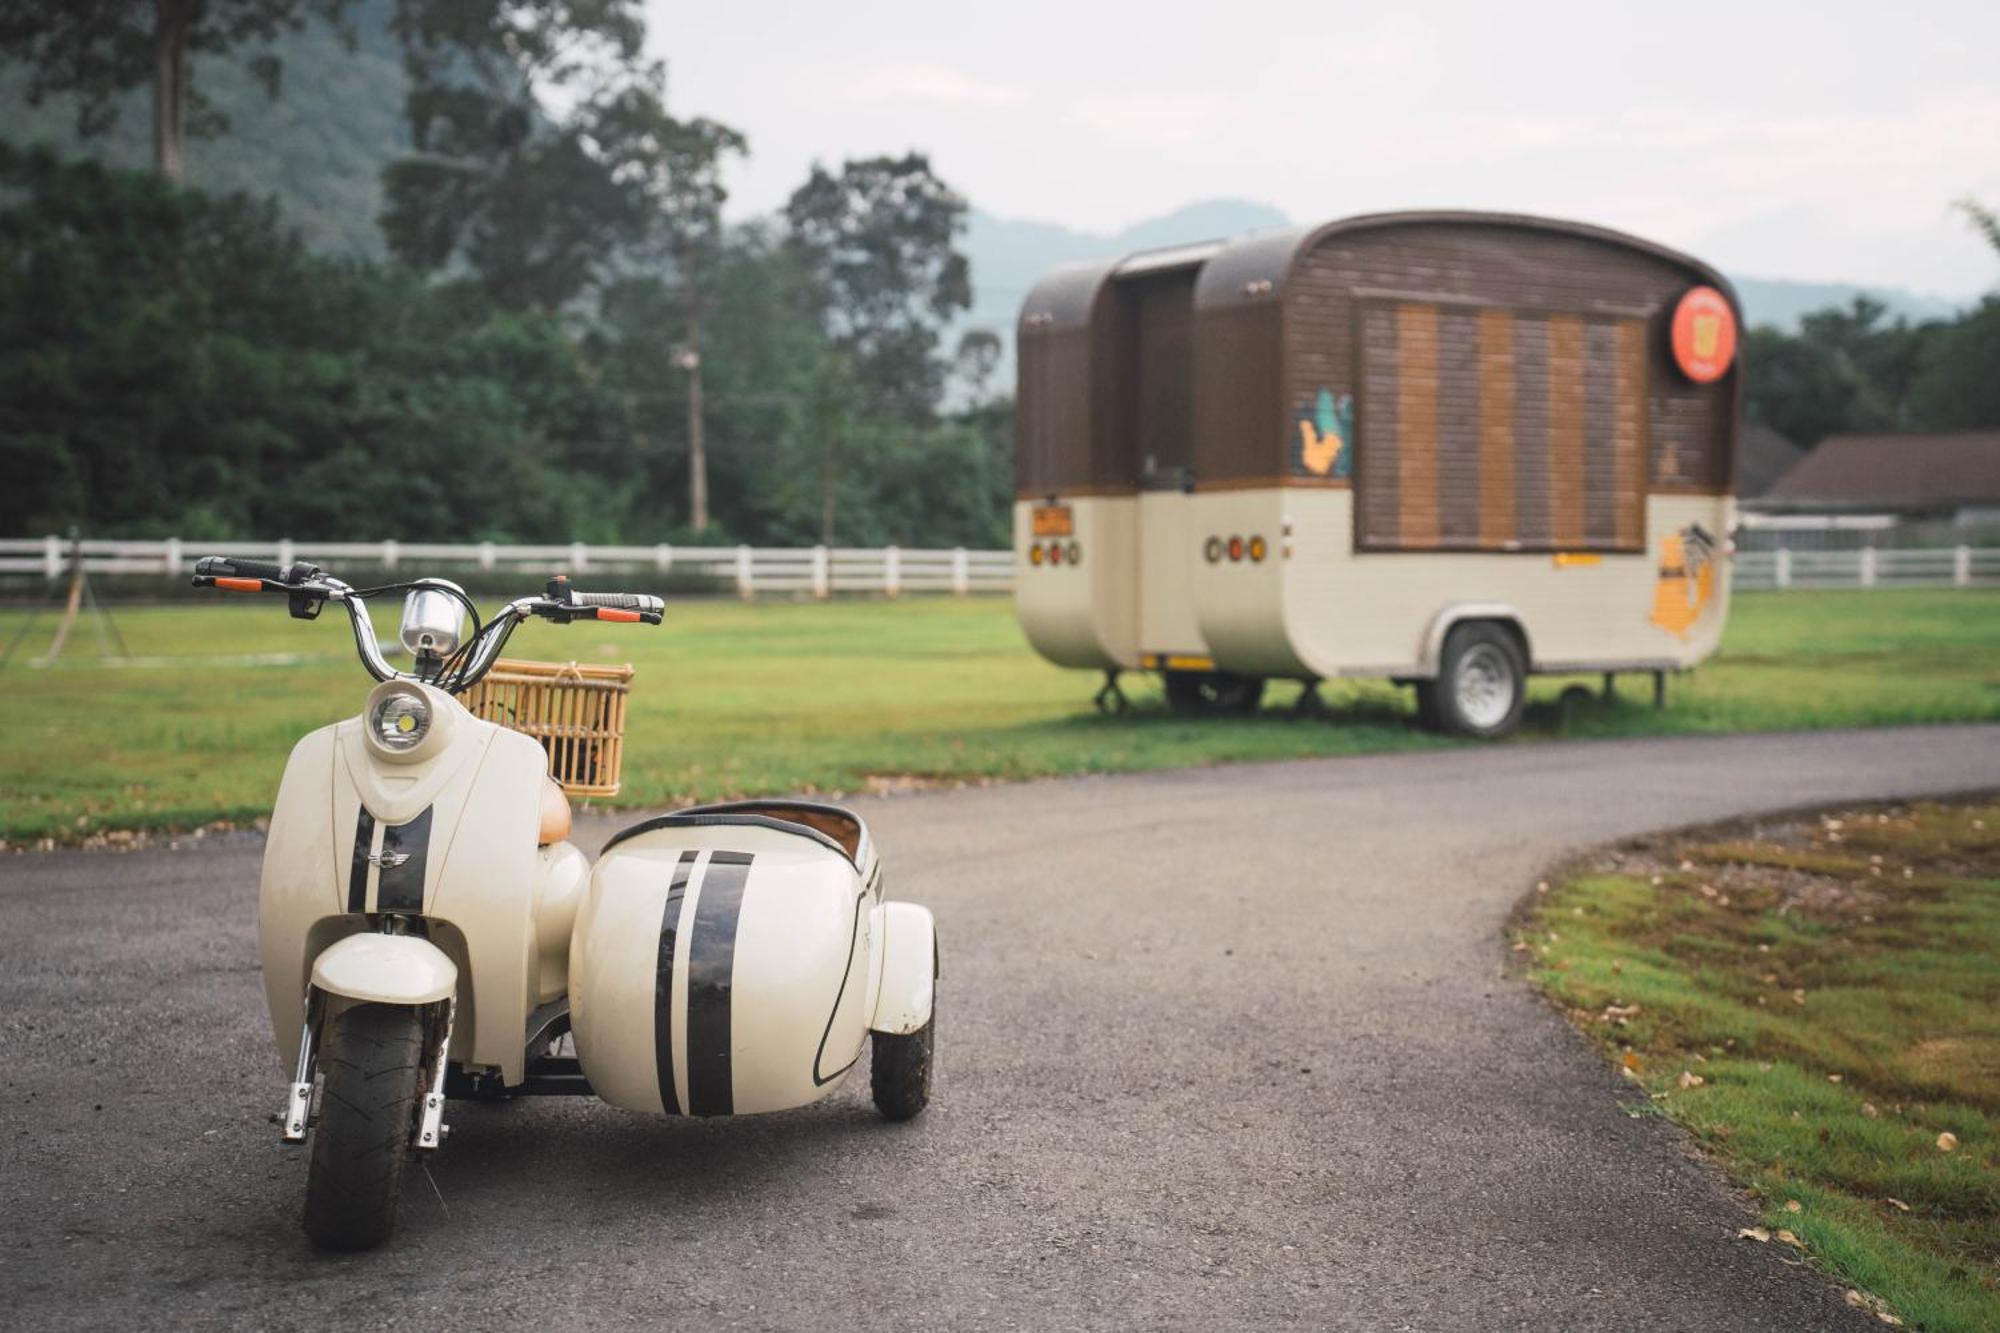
point(847, 695)
point(1818, 1005)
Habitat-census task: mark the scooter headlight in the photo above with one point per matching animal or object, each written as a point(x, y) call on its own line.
point(400, 721)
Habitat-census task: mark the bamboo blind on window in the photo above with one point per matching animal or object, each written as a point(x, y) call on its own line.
point(1503, 430)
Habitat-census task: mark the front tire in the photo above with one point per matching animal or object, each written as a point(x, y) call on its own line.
point(900, 1071)
point(1213, 692)
point(1482, 682)
point(372, 1067)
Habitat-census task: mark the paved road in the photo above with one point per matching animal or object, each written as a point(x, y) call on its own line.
point(1222, 1048)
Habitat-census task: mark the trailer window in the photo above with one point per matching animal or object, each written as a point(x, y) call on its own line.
point(1483, 428)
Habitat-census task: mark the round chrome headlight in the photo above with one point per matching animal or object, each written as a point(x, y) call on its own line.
point(400, 721)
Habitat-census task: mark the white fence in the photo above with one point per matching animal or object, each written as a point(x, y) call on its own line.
point(1870, 567)
point(818, 571)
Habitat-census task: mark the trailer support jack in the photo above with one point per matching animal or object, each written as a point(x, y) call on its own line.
point(1309, 704)
point(1109, 697)
point(1659, 689)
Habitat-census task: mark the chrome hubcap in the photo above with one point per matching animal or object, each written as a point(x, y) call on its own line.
point(1484, 686)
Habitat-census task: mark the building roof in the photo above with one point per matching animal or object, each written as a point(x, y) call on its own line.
point(1904, 472)
point(1762, 456)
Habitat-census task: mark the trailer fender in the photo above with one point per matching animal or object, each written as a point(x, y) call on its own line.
point(385, 969)
point(907, 936)
point(1457, 614)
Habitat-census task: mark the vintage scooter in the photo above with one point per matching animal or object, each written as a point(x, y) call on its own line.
point(428, 932)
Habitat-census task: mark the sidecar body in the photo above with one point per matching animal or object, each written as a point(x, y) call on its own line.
point(731, 959)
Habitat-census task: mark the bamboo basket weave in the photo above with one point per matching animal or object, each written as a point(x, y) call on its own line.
point(576, 710)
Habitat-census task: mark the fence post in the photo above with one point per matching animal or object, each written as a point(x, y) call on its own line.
point(1961, 567)
point(663, 557)
point(1867, 566)
point(822, 570)
point(892, 571)
point(746, 587)
point(1783, 568)
point(52, 558)
point(579, 557)
point(486, 557)
point(961, 572)
point(173, 556)
point(389, 554)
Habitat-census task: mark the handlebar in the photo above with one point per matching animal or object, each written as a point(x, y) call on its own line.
point(309, 588)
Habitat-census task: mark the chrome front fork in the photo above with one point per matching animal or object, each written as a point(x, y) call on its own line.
point(431, 1129)
point(298, 1103)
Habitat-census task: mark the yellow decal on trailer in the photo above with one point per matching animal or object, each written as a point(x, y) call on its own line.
point(1687, 579)
point(1053, 521)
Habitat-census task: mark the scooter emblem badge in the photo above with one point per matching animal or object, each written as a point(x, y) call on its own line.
point(388, 860)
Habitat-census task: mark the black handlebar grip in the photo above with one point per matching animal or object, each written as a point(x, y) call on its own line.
point(229, 566)
point(618, 601)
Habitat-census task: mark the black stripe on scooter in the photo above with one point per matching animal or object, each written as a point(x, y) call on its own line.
point(400, 888)
point(663, 985)
point(357, 876)
point(711, 959)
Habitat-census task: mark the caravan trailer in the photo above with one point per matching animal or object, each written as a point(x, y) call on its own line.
point(1451, 449)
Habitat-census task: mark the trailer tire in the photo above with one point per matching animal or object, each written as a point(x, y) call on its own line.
point(1482, 682)
point(1202, 693)
point(899, 1070)
point(372, 1066)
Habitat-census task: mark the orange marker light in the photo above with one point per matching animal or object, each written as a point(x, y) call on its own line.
point(1034, 555)
point(1257, 549)
point(1235, 548)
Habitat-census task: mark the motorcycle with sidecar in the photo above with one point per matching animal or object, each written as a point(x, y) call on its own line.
point(428, 931)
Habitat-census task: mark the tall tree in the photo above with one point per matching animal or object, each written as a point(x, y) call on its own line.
point(99, 50)
point(880, 240)
point(674, 167)
point(500, 181)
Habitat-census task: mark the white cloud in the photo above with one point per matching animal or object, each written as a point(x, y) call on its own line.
point(1155, 120)
point(942, 85)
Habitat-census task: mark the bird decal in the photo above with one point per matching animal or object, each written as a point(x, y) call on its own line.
point(1324, 434)
point(1686, 579)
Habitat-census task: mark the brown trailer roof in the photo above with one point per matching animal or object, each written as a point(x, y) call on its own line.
point(1906, 472)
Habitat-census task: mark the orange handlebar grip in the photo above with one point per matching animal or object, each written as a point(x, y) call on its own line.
point(241, 585)
point(611, 613)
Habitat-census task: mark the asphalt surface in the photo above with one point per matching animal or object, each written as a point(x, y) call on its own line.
point(1223, 1048)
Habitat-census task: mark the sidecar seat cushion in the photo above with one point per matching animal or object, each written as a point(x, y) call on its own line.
point(554, 826)
point(841, 830)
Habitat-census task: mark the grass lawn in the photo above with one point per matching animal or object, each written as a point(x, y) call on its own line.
point(1818, 1001)
point(847, 695)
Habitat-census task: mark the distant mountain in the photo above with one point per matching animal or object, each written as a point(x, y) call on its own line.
point(1779, 302)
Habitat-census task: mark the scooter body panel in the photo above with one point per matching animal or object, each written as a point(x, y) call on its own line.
point(447, 835)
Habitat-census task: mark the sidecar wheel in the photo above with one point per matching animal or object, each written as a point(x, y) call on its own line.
point(900, 1071)
point(371, 1063)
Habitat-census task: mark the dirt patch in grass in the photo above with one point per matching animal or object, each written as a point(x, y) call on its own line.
point(1816, 998)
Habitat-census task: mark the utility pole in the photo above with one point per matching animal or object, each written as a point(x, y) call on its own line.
point(688, 358)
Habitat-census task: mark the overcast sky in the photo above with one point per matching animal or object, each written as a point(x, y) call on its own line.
point(1816, 140)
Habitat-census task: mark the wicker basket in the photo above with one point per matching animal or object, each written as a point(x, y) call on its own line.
point(576, 710)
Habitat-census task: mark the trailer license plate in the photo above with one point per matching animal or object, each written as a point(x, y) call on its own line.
point(1054, 521)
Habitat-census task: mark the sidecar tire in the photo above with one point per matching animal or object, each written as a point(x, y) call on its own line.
point(371, 1064)
point(900, 1071)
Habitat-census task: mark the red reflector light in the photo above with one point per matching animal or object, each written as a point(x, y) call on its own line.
point(1235, 548)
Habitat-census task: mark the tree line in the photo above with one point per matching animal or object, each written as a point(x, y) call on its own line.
point(568, 342)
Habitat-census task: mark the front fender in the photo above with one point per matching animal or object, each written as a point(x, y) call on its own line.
point(908, 940)
point(385, 969)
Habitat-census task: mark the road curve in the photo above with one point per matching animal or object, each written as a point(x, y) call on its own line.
point(1218, 1048)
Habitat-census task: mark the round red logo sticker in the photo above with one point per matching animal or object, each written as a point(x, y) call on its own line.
point(1704, 335)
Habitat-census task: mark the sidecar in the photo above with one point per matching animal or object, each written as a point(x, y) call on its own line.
point(737, 958)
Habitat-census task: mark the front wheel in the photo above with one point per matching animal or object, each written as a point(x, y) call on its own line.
point(372, 1070)
point(900, 1071)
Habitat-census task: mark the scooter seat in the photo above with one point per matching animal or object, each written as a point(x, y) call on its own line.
point(830, 826)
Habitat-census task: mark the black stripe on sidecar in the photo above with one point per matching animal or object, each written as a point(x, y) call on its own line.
point(711, 960)
point(663, 985)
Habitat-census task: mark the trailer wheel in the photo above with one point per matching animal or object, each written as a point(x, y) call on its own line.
point(1210, 692)
point(1482, 682)
point(899, 1071)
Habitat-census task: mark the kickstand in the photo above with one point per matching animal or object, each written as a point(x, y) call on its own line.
point(1109, 698)
point(1309, 704)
